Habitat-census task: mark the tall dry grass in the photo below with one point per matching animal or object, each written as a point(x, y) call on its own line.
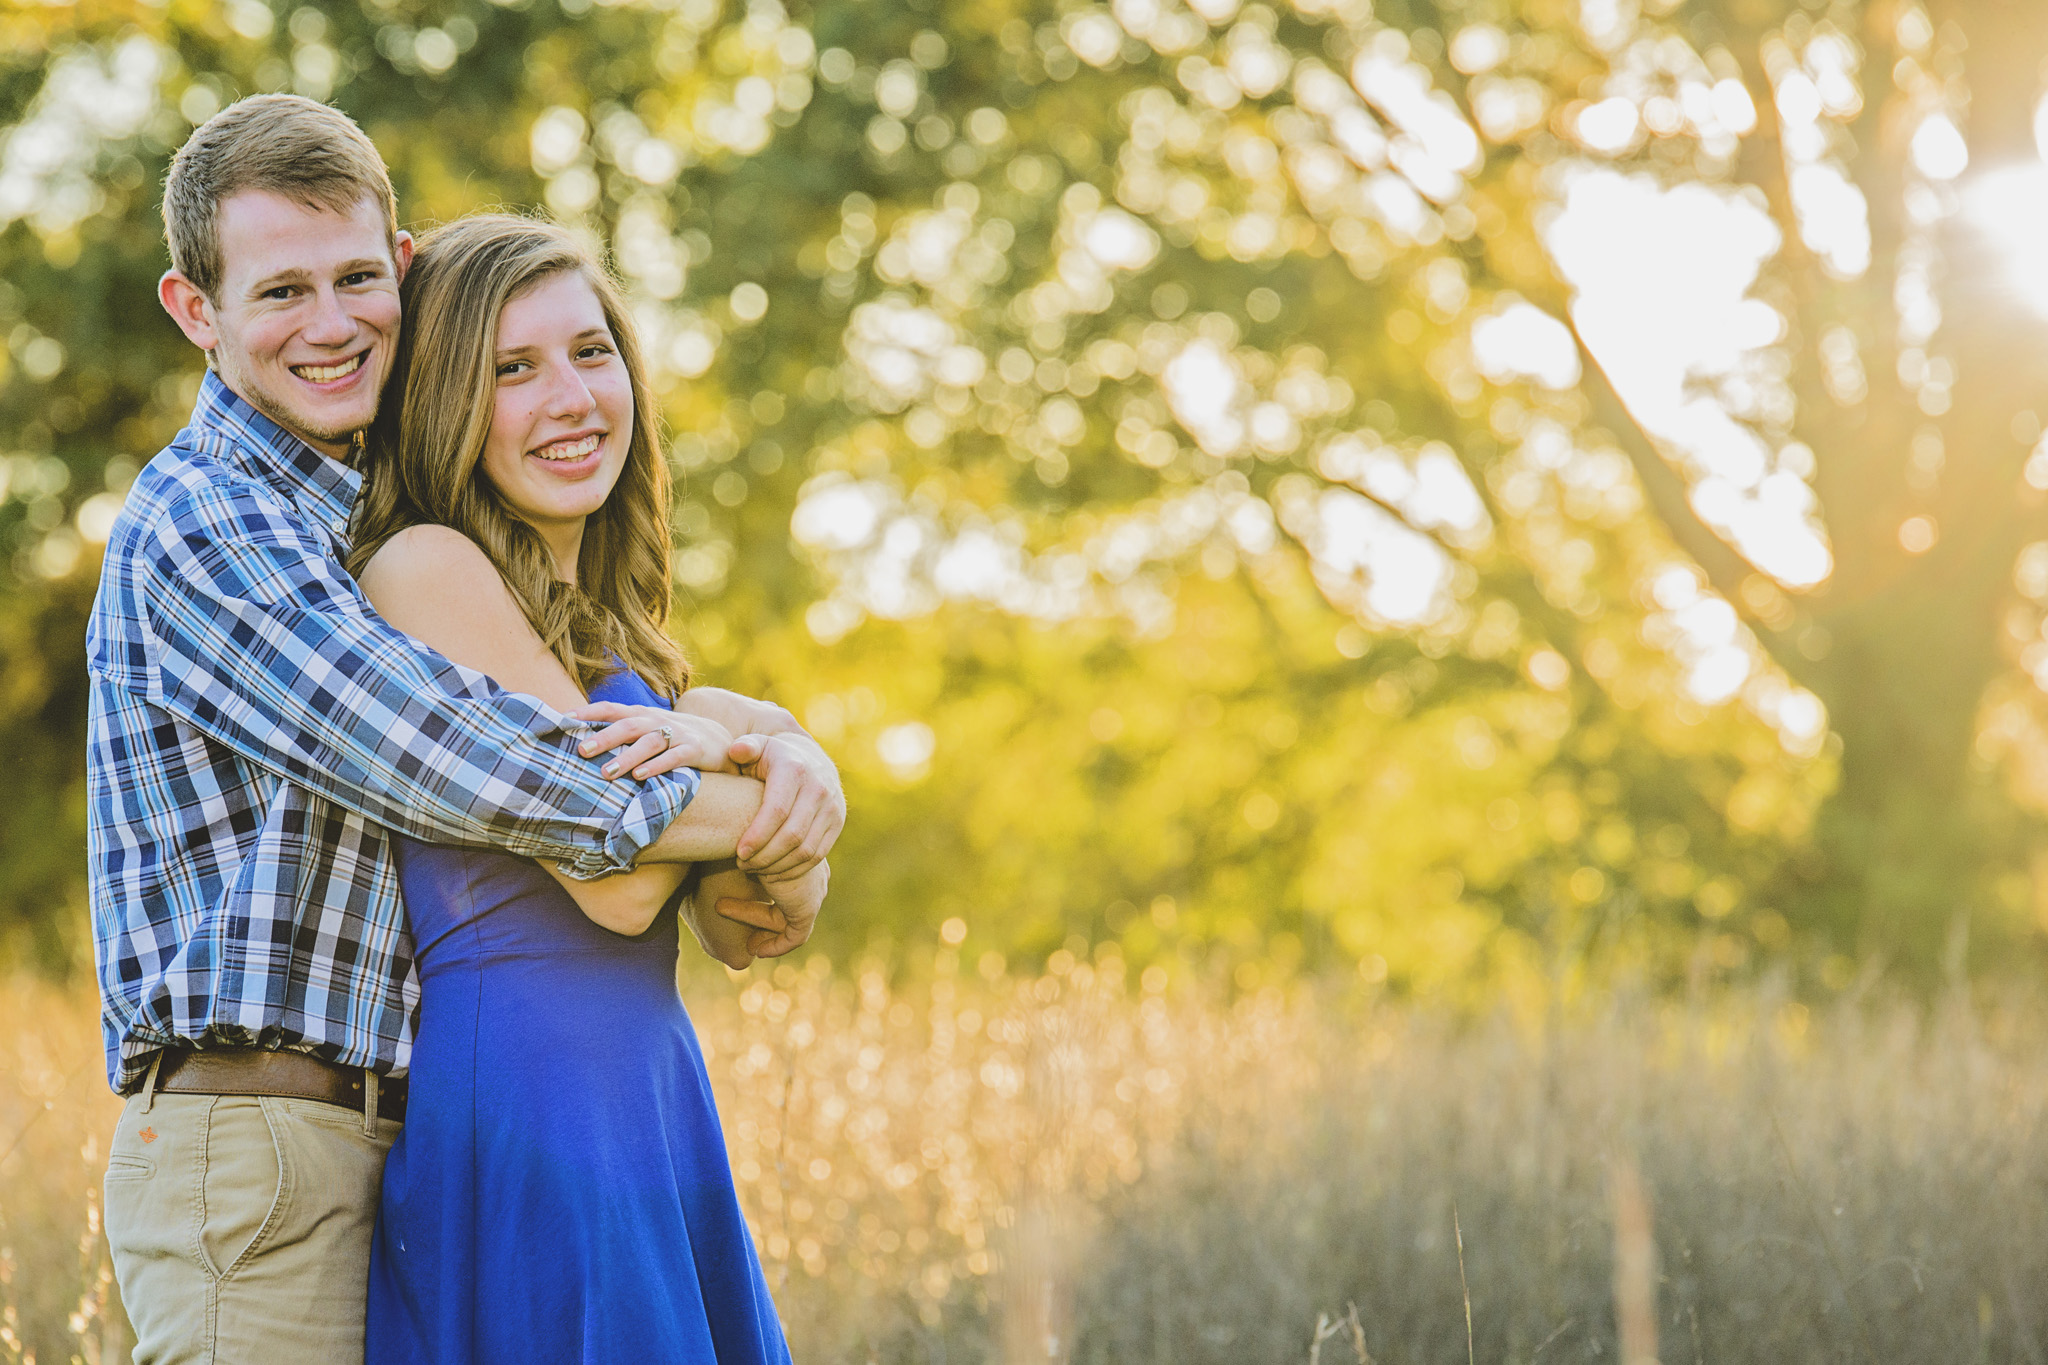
point(1084, 1166)
point(57, 1296)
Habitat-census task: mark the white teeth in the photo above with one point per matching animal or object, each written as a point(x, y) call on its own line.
point(321, 374)
point(572, 450)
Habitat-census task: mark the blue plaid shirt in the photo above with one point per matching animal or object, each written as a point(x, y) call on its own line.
point(257, 732)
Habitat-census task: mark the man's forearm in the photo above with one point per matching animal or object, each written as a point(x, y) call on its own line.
point(394, 732)
point(710, 826)
point(802, 806)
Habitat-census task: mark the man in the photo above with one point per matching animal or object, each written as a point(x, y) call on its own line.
point(257, 733)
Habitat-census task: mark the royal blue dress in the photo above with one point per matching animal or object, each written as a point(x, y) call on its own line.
point(560, 1191)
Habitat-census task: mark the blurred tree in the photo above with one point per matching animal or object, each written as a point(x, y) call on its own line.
point(1199, 464)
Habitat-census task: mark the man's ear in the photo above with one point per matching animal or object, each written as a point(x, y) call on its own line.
point(189, 308)
point(401, 253)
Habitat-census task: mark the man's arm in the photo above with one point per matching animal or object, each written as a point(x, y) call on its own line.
point(803, 808)
point(728, 911)
point(798, 897)
point(252, 635)
point(739, 714)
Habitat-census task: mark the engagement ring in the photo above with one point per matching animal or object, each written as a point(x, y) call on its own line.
point(668, 738)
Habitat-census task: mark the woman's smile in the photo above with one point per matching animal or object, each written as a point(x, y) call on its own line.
point(573, 457)
point(570, 447)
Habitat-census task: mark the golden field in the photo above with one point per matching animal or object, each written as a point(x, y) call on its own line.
point(1086, 1165)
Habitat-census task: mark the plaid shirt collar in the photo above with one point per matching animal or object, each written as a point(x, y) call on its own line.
point(323, 489)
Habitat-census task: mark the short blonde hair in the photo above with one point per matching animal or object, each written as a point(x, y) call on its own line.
point(285, 144)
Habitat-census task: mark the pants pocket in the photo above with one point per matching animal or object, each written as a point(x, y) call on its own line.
point(124, 1167)
point(246, 1184)
point(298, 1293)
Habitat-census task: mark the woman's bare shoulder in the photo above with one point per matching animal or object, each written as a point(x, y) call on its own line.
point(429, 577)
point(428, 553)
point(438, 586)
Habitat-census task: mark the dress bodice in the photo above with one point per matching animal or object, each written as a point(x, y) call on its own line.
point(505, 904)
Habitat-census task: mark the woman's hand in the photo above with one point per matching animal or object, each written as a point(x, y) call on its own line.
point(726, 911)
point(636, 731)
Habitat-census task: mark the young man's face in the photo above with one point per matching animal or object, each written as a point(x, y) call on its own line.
point(307, 315)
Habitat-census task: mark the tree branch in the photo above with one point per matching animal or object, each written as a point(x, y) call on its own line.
point(1669, 497)
point(1434, 537)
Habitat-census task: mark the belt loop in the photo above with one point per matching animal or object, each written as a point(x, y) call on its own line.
point(369, 1103)
point(156, 1062)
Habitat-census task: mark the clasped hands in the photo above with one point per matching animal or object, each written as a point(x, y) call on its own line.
point(771, 893)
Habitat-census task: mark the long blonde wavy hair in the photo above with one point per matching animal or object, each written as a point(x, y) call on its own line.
point(423, 452)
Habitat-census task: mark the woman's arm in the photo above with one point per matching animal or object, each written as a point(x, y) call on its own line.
point(741, 715)
point(436, 585)
point(803, 808)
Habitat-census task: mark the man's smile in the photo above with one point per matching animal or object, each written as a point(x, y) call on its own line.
point(327, 374)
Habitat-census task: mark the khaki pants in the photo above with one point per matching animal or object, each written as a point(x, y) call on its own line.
point(241, 1225)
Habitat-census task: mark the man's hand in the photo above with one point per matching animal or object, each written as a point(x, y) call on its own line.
point(803, 808)
point(726, 911)
point(692, 741)
point(798, 898)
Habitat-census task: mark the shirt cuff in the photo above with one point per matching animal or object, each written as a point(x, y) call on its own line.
point(648, 812)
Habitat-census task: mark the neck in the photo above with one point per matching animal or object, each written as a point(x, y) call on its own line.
point(564, 540)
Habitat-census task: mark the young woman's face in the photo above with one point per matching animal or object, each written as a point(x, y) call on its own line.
point(564, 415)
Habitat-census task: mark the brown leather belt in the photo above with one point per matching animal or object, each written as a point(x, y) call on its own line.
point(261, 1071)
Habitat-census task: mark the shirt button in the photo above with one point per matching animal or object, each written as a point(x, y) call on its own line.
point(341, 528)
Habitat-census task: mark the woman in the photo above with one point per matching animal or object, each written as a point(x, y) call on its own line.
point(560, 1191)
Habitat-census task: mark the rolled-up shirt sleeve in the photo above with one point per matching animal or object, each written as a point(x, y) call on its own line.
point(260, 641)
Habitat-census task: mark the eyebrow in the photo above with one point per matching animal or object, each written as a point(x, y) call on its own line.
point(299, 275)
point(511, 351)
